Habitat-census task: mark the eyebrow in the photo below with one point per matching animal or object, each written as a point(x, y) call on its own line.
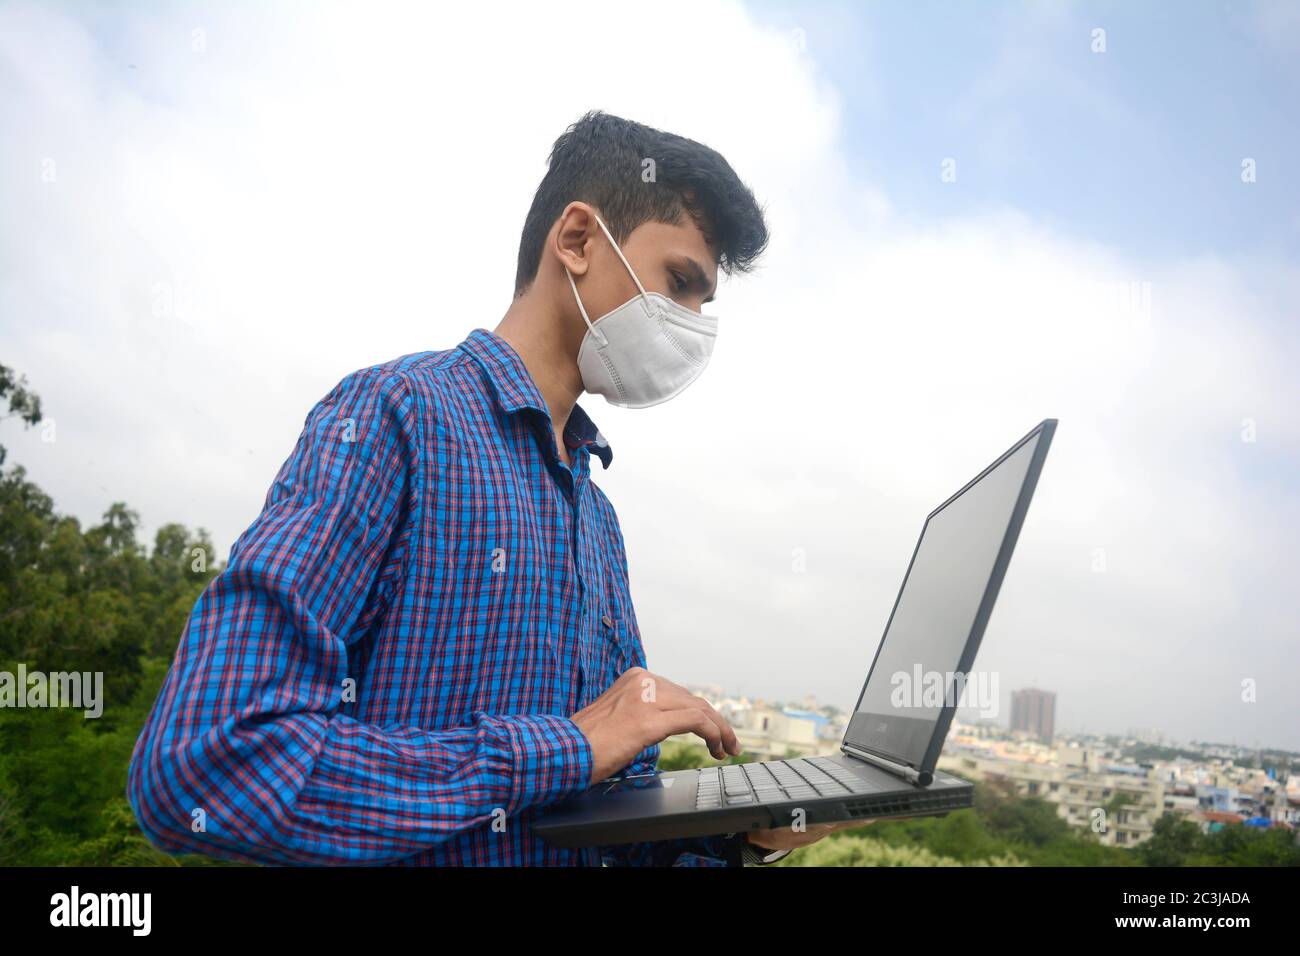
point(699, 278)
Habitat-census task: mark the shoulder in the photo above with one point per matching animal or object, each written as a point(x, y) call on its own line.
point(408, 374)
point(410, 387)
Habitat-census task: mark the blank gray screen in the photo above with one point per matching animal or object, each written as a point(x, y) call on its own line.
point(937, 607)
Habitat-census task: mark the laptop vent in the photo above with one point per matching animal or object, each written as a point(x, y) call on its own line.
point(908, 804)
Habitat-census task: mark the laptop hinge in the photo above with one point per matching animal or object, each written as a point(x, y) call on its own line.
point(897, 769)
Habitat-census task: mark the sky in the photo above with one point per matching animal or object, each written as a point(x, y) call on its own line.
point(983, 215)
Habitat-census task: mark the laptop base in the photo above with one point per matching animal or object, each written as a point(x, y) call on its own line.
point(693, 803)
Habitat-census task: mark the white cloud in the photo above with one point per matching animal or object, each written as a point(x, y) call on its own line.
point(233, 229)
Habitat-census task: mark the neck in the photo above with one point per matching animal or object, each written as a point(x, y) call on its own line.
point(549, 350)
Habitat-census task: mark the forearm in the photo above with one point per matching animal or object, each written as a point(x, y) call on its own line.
point(305, 789)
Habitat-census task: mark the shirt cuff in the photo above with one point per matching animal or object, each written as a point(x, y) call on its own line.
point(550, 758)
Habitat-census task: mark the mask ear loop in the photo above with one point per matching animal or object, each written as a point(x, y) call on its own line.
point(645, 298)
point(600, 336)
point(640, 288)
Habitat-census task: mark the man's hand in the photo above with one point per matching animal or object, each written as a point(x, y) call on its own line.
point(641, 709)
point(785, 838)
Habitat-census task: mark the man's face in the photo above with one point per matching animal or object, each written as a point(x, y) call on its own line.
point(677, 261)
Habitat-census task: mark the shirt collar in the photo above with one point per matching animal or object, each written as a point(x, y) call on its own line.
point(581, 432)
point(515, 390)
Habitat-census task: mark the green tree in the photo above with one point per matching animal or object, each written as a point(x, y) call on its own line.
point(24, 404)
point(96, 602)
point(1173, 842)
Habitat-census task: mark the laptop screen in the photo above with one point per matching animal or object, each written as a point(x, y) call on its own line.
point(934, 618)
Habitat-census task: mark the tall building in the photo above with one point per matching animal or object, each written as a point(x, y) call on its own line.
point(1034, 711)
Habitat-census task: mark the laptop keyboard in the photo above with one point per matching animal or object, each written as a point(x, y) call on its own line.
point(776, 781)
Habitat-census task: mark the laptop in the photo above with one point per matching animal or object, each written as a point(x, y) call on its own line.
point(886, 762)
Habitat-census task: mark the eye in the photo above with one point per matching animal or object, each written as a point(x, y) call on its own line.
point(679, 281)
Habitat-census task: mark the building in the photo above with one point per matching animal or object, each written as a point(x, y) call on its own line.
point(1034, 712)
point(1119, 802)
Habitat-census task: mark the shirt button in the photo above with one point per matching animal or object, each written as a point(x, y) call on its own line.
point(607, 621)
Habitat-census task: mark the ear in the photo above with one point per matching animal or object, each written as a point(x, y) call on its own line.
point(573, 236)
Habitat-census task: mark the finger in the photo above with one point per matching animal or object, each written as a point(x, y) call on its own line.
point(690, 720)
point(812, 835)
point(727, 734)
point(673, 696)
point(853, 824)
point(787, 838)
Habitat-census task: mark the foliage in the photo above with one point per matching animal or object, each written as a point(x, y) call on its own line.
point(24, 404)
point(92, 601)
point(1177, 842)
point(852, 850)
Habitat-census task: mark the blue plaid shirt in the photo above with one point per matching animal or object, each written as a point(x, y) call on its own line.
point(383, 672)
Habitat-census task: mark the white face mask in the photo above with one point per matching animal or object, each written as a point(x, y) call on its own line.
point(645, 351)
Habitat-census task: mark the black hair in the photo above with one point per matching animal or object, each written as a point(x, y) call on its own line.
point(603, 160)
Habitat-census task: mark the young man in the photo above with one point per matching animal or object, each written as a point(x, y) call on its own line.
point(427, 634)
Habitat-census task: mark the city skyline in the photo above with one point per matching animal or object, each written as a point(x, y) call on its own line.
point(1001, 721)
